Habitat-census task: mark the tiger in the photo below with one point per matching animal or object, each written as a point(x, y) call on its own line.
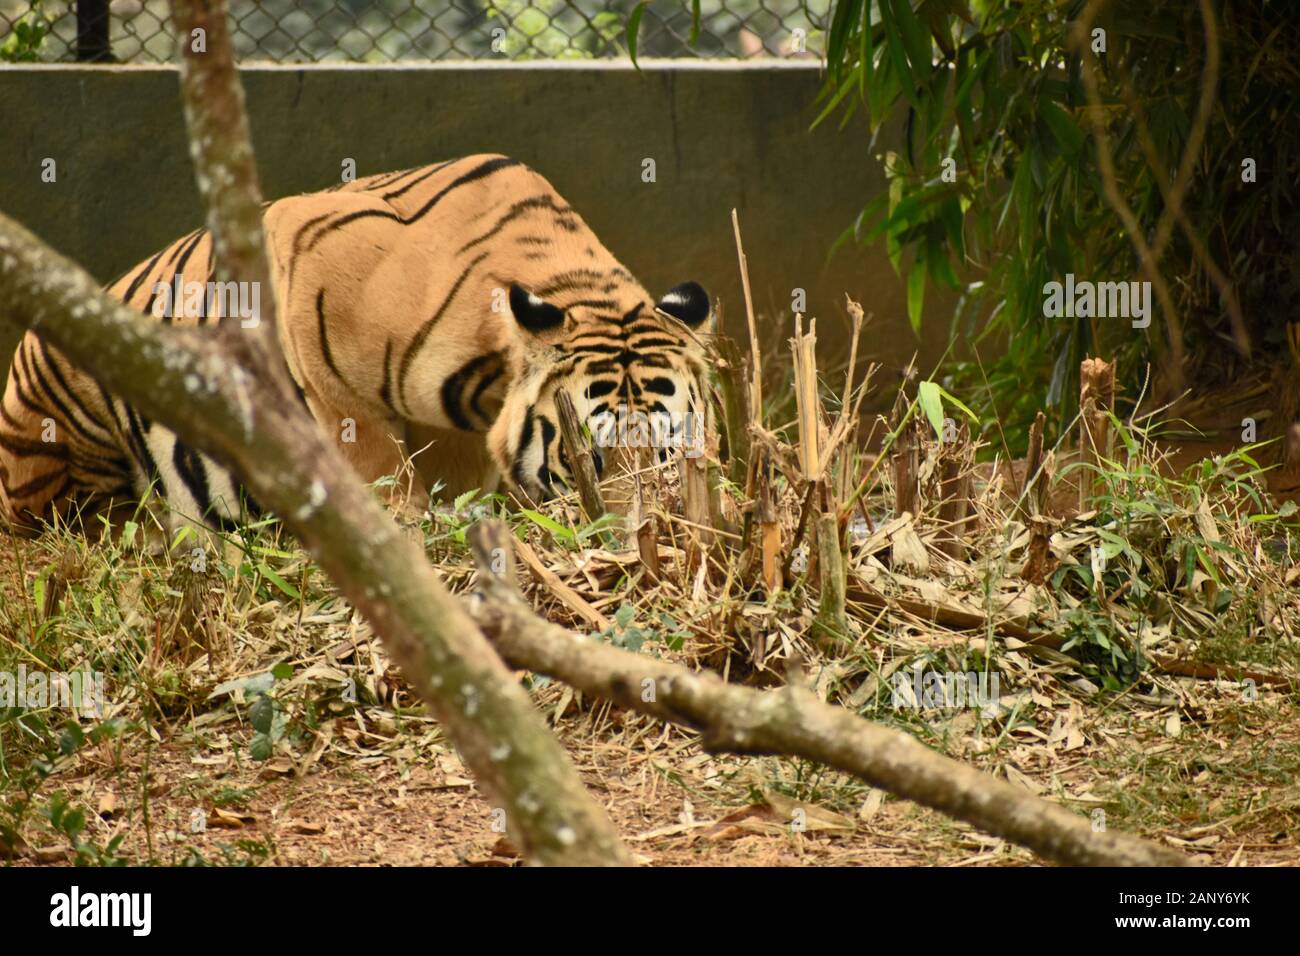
point(432, 314)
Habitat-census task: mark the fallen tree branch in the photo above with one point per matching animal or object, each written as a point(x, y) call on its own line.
point(792, 722)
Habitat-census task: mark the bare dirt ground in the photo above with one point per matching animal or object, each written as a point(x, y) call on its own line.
point(674, 805)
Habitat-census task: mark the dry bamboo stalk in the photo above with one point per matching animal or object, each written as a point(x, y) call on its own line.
point(551, 581)
point(713, 481)
point(848, 408)
point(1038, 564)
point(1046, 475)
point(804, 514)
point(695, 505)
point(957, 618)
point(1031, 494)
point(647, 537)
point(807, 404)
point(756, 380)
point(647, 545)
point(858, 316)
point(906, 464)
point(769, 526)
point(831, 626)
point(580, 463)
point(1096, 399)
point(954, 493)
point(731, 384)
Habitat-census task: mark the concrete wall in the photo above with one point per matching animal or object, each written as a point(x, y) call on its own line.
point(722, 135)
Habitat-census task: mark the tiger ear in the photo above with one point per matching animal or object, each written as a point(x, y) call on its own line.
point(533, 313)
point(688, 303)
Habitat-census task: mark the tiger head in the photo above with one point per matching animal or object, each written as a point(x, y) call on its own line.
point(636, 377)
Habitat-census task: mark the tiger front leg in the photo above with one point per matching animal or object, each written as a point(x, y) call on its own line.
point(377, 451)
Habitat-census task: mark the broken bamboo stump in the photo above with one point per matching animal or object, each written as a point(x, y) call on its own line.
point(646, 529)
point(769, 522)
point(954, 492)
point(1033, 492)
point(1096, 399)
point(831, 625)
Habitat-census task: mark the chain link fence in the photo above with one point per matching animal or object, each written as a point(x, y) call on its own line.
point(310, 31)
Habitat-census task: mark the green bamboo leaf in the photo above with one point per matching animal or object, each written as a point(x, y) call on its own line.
point(548, 524)
point(266, 572)
point(843, 91)
point(1130, 443)
point(877, 213)
point(633, 27)
point(867, 62)
point(898, 55)
point(953, 400)
point(1063, 128)
point(951, 214)
point(1026, 205)
point(916, 39)
point(270, 552)
point(930, 397)
point(837, 42)
point(181, 534)
point(916, 292)
point(938, 266)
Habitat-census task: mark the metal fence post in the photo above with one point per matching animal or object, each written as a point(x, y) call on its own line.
point(92, 31)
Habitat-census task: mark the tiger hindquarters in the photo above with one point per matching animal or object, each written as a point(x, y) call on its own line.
point(60, 456)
